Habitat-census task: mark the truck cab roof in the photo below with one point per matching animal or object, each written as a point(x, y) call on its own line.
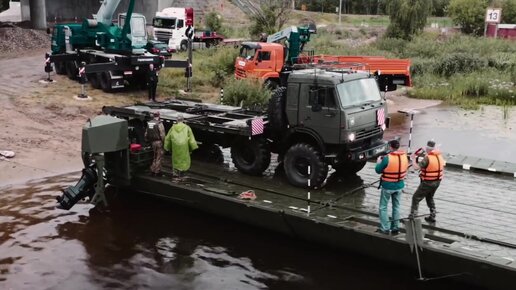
point(331, 76)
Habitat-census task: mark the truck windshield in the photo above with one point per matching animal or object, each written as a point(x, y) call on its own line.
point(247, 52)
point(164, 23)
point(138, 27)
point(358, 92)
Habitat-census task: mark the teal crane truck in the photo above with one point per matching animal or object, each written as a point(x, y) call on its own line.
point(319, 118)
point(114, 54)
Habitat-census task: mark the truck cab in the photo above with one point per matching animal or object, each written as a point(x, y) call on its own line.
point(138, 33)
point(332, 118)
point(170, 27)
point(260, 60)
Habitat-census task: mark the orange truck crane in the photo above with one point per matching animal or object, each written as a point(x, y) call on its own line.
point(266, 60)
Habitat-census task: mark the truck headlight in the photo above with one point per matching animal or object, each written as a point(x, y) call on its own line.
point(351, 137)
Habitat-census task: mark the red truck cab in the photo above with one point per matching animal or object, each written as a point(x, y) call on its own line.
point(260, 60)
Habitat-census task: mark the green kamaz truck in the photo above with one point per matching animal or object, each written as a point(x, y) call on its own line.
point(319, 118)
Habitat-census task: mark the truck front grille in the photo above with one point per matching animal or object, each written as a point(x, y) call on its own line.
point(163, 35)
point(368, 133)
point(240, 73)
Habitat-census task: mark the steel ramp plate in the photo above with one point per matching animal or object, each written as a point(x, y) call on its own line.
point(455, 159)
point(483, 164)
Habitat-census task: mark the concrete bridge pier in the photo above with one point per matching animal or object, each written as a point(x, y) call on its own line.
point(38, 14)
point(25, 10)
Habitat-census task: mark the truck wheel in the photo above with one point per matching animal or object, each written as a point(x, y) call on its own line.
point(296, 163)
point(105, 81)
point(209, 153)
point(276, 110)
point(94, 80)
point(349, 168)
point(251, 156)
point(71, 70)
point(60, 68)
point(271, 84)
point(184, 45)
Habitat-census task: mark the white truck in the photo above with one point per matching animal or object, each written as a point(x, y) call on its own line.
point(169, 26)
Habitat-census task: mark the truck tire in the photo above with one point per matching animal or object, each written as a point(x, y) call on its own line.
point(296, 162)
point(271, 84)
point(251, 156)
point(105, 81)
point(71, 70)
point(349, 168)
point(209, 153)
point(60, 67)
point(276, 111)
point(94, 80)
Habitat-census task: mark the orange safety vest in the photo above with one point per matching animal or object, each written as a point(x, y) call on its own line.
point(396, 170)
point(435, 169)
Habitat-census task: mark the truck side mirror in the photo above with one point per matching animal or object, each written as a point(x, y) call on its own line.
point(313, 100)
point(48, 30)
point(259, 57)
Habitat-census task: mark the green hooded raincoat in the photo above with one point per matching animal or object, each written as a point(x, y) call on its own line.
point(181, 141)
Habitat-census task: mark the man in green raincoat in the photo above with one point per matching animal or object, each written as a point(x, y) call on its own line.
point(181, 142)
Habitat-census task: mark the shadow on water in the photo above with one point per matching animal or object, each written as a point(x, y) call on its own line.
point(145, 243)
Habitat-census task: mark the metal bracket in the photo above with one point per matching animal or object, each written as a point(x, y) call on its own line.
point(100, 187)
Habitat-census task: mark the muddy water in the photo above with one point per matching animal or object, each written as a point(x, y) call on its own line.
point(141, 243)
point(488, 133)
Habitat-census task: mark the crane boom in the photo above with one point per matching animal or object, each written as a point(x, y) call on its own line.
point(106, 11)
point(283, 34)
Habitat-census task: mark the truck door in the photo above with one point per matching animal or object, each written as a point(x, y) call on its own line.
point(319, 110)
point(264, 62)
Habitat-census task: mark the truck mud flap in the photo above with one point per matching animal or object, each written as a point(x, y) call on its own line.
point(117, 81)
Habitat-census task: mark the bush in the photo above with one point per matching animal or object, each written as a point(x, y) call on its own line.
point(469, 14)
point(513, 75)
point(509, 11)
point(213, 21)
point(395, 45)
point(421, 66)
point(458, 63)
point(249, 92)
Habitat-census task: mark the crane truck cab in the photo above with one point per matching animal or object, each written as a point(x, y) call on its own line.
point(261, 60)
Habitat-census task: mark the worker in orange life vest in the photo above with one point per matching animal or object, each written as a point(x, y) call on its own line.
point(393, 168)
point(432, 170)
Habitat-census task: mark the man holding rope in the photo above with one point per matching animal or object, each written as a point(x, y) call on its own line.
point(432, 171)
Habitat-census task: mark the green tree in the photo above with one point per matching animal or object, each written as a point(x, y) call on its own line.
point(509, 11)
point(439, 7)
point(408, 17)
point(271, 17)
point(213, 21)
point(4, 5)
point(469, 14)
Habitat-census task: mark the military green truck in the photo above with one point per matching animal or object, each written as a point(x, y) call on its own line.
point(317, 119)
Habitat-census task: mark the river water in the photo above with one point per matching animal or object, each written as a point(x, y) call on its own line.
point(142, 243)
point(489, 132)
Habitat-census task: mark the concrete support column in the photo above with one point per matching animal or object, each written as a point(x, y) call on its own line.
point(38, 14)
point(25, 10)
